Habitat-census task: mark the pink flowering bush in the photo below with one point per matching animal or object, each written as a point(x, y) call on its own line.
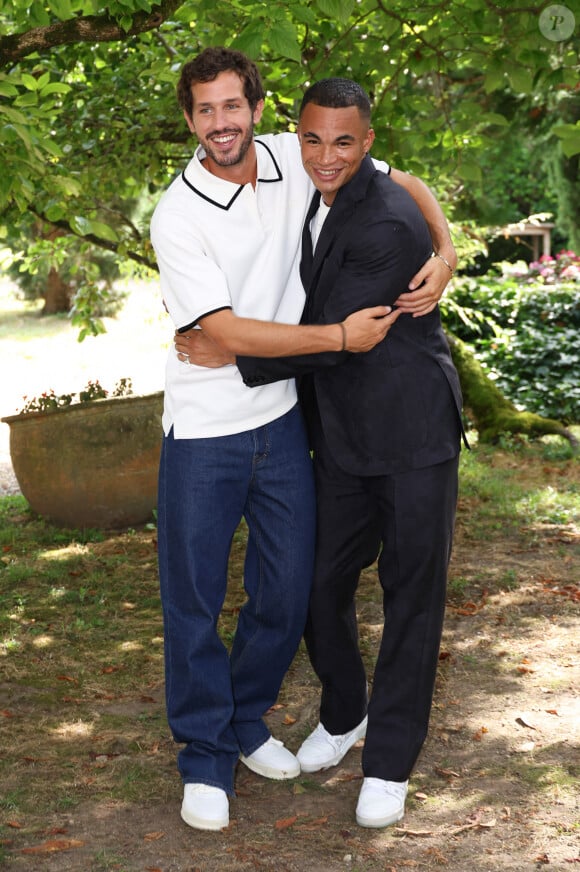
point(565, 267)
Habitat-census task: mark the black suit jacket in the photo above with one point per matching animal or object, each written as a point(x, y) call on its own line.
point(397, 407)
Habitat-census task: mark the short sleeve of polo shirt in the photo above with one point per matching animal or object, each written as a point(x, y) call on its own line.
point(382, 166)
point(192, 284)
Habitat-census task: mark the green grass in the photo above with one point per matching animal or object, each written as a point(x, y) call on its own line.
point(551, 505)
point(515, 492)
point(458, 587)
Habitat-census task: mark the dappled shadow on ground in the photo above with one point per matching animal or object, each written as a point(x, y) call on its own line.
point(494, 789)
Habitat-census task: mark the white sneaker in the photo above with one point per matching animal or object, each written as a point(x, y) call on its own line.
point(322, 750)
point(272, 760)
point(381, 802)
point(205, 807)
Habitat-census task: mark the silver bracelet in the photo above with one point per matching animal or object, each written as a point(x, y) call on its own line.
point(444, 259)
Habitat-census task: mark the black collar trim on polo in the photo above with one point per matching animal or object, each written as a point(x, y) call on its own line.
point(209, 199)
point(227, 206)
point(279, 176)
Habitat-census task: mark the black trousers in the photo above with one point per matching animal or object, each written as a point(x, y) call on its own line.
point(410, 517)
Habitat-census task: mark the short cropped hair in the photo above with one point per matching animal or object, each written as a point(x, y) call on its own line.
point(209, 64)
point(338, 93)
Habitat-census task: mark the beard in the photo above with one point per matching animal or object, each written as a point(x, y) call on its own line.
point(228, 160)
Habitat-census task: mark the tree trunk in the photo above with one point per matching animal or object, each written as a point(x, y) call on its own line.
point(491, 412)
point(58, 294)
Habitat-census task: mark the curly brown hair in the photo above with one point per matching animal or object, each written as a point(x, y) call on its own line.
point(209, 64)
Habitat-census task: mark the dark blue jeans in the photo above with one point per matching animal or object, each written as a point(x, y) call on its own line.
point(215, 699)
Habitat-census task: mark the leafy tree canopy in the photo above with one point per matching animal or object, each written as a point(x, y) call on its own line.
point(89, 120)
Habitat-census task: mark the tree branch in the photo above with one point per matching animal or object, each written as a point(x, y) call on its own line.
point(90, 28)
point(97, 240)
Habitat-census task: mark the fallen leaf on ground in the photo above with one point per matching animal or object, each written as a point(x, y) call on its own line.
point(525, 723)
point(476, 822)
point(313, 825)
point(440, 858)
point(288, 721)
point(153, 837)
point(53, 845)
point(284, 823)
point(446, 773)
point(467, 610)
point(343, 776)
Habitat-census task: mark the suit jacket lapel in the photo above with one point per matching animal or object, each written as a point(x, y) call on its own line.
point(339, 213)
point(344, 204)
point(307, 257)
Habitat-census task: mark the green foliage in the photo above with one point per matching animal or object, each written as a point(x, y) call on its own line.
point(436, 75)
point(85, 274)
point(569, 134)
point(525, 330)
point(49, 401)
point(89, 129)
point(563, 165)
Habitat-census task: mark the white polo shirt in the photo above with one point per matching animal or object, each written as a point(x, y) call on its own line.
point(224, 245)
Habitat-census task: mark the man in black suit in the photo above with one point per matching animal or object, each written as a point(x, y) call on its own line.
point(385, 428)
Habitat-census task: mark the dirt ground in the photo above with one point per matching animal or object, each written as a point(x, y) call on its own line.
point(495, 788)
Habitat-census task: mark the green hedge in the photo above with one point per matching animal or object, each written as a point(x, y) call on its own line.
point(525, 330)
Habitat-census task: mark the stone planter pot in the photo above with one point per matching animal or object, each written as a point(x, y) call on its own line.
point(90, 464)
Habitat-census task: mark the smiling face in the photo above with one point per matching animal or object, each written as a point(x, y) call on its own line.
point(224, 123)
point(333, 143)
